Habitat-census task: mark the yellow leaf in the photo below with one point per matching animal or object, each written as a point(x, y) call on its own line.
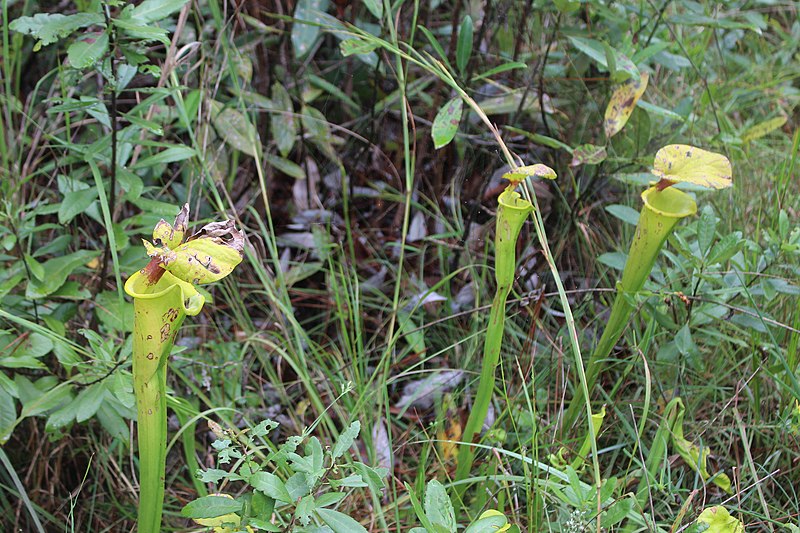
point(684, 163)
point(719, 520)
point(494, 512)
point(538, 170)
point(448, 438)
point(763, 128)
point(208, 256)
point(622, 102)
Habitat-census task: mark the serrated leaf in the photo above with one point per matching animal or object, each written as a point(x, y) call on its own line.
point(211, 507)
point(87, 50)
point(687, 164)
point(445, 125)
point(345, 440)
point(355, 46)
point(284, 126)
point(235, 129)
point(464, 44)
point(50, 27)
point(305, 35)
point(588, 154)
point(155, 10)
point(438, 507)
point(75, 203)
point(622, 103)
point(339, 522)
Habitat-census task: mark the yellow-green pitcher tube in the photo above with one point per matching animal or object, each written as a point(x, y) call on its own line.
point(661, 212)
point(511, 215)
point(159, 310)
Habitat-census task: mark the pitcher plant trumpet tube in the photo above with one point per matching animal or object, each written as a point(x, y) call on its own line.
point(163, 296)
point(512, 212)
point(664, 206)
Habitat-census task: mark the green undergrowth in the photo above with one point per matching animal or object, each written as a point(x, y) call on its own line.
point(342, 140)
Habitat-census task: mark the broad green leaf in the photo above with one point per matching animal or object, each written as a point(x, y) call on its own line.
point(304, 508)
point(625, 213)
point(50, 27)
point(355, 46)
point(75, 203)
point(8, 415)
point(108, 311)
point(35, 267)
point(345, 440)
point(445, 125)
point(284, 126)
point(622, 103)
point(156, 10)
point(660, 111)
point(87, 50)
point(290, 168)
point(489, 524)
point(592, 48)
point(763, 128)
point(236, 129)
point(375, 7)
point(464, 44)
point(687, 164)
point(89, 401)
point(537, 171)
point(305, 35)
point(36, 402)
point(719, 520)
point(172, 154)
point(438, 507)
point(142, 30)
point(212, 506)
point(271, 485)
point(57, 271)
point(588, 154)
point(339, 522)
point(318, 130)
point(567, 6)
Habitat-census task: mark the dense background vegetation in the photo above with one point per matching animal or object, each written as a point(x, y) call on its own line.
point(364, 291)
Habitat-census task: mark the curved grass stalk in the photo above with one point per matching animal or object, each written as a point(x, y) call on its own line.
point(511, 215)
